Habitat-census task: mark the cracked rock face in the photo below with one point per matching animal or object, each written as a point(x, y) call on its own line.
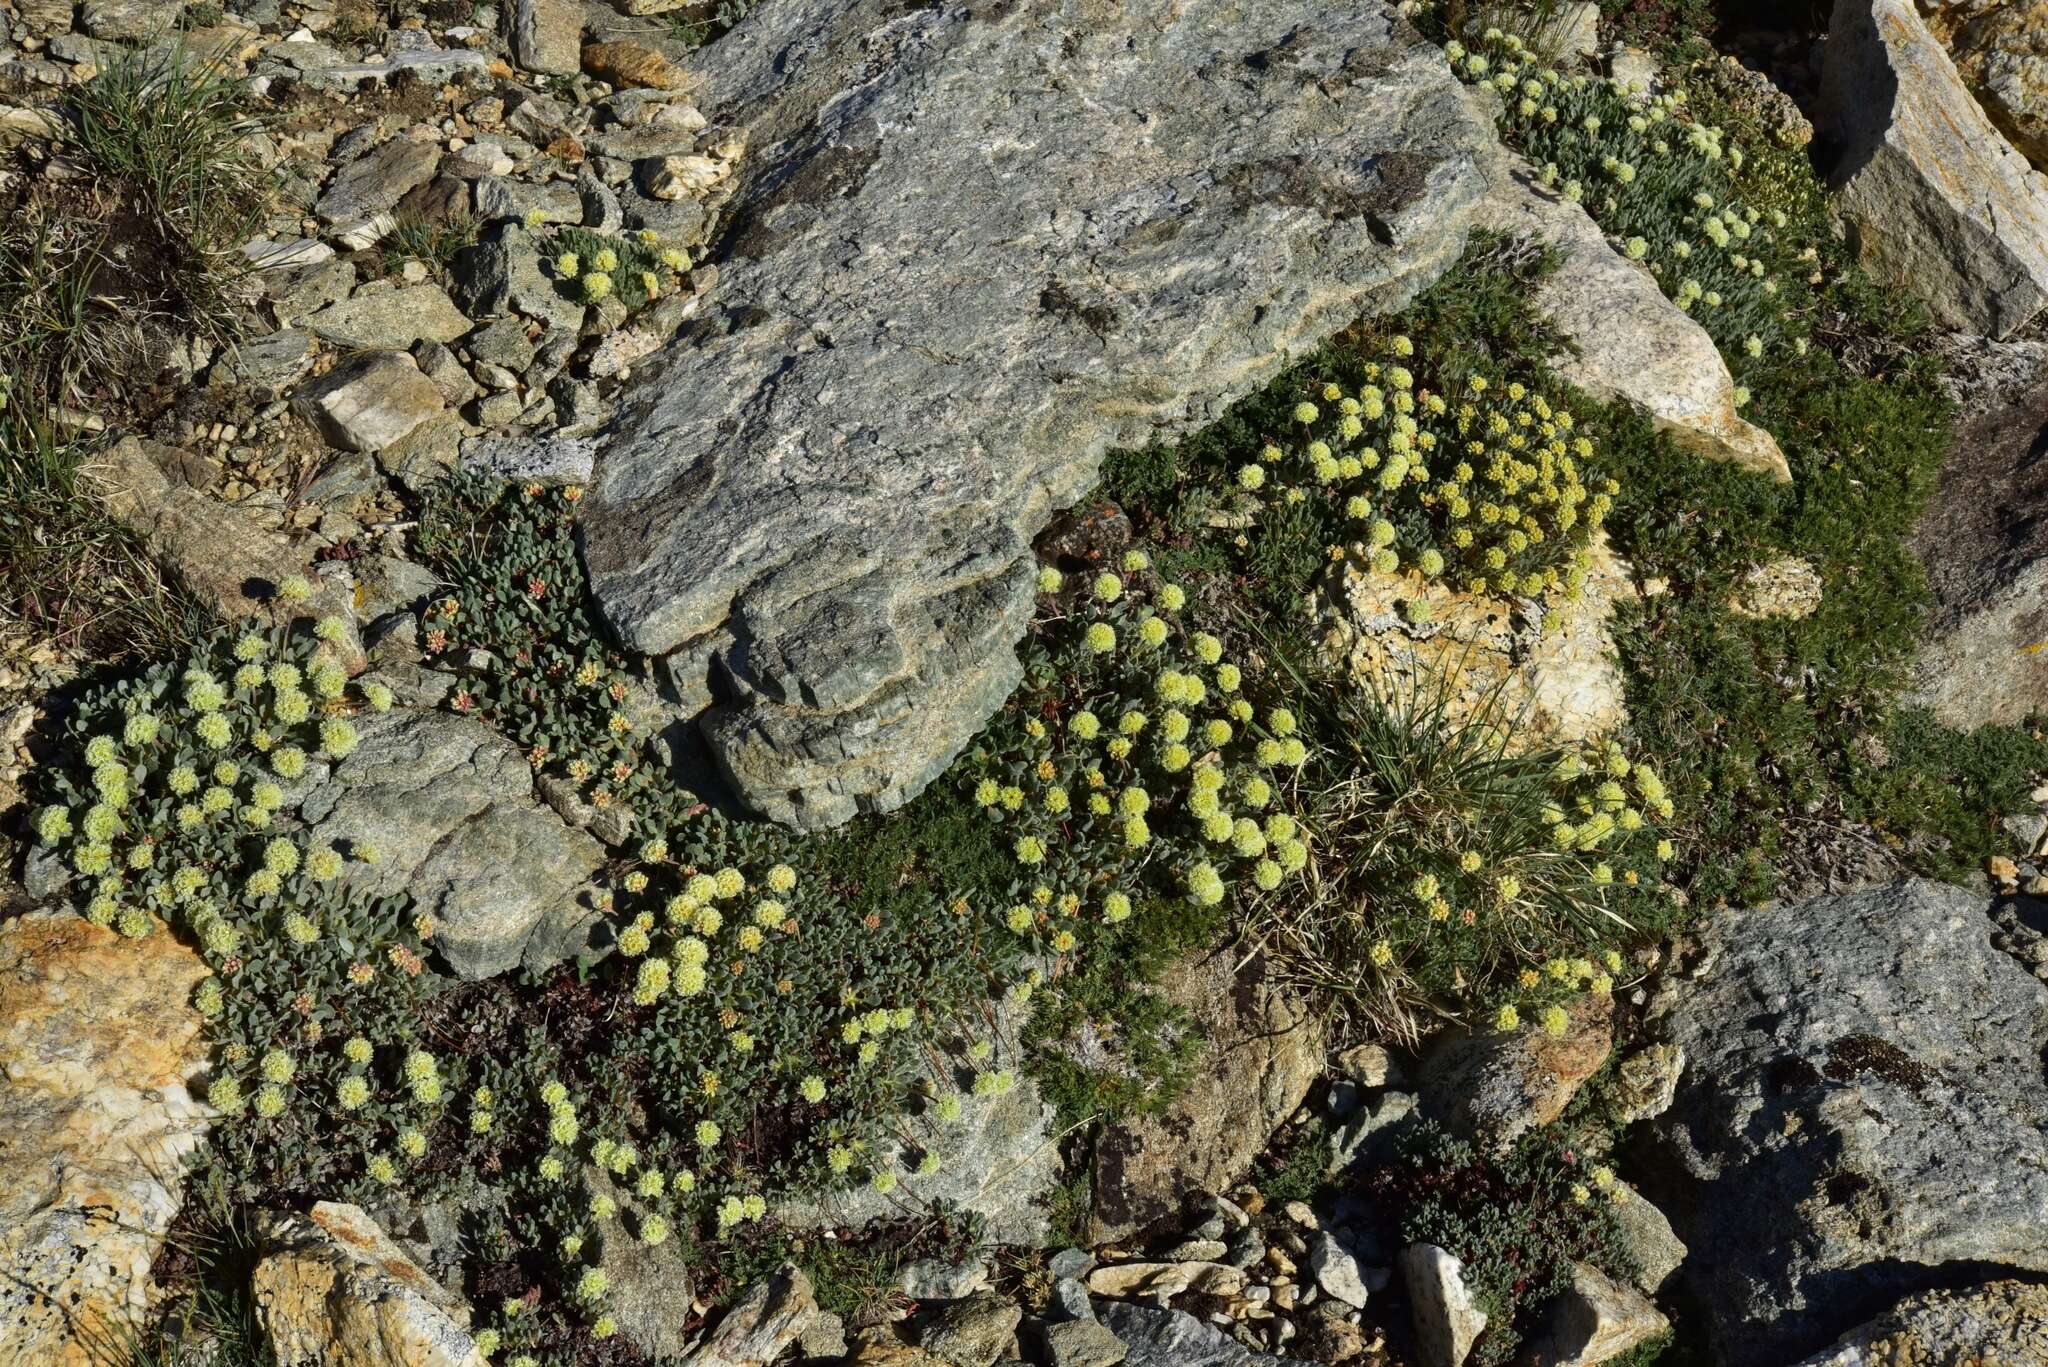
point(449, 804)
point(1863, 1112)
point(978, 245)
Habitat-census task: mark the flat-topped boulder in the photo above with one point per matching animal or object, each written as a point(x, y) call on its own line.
point(976, 246)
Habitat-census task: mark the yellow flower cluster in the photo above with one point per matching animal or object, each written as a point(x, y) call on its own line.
point(1137, 768)
point(1488, 488)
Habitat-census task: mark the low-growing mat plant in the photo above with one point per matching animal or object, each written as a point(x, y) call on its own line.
point(1517, 1221)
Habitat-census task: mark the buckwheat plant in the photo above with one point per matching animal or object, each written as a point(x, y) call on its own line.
point(1663, 188)
point(1135, 763)
point(515, 628)
point(636, 268)
point(1485, 489)
point(171, 798)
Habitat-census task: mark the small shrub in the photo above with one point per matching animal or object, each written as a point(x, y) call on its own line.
point(433, 242)
point(1517, 1222)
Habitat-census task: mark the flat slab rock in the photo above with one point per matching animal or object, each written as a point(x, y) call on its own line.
point(98, 1040)
point(1863, 1113)
point(977, 246)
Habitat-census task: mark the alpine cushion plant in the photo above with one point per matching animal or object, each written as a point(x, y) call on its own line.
point(1665, 189)
point(171, 801)
point(1135, 764)
point(1487, 488)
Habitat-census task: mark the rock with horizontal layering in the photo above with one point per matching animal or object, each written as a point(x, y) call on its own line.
point(333, 1290)
point(951, 282)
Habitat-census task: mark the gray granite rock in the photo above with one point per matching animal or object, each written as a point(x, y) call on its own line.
point(1986, 1326)
point(374, 182)
point(998, 1160)
point(449, 804)
point(1937, 201)
point(1447, 1318)
point(502, 274)
point(547, 35)
point(1170, 1338)
point(959, 270)
point(1864, 1104)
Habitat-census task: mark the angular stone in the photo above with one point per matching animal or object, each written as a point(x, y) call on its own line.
point(1647, 1236)
point(1497, 1086)
point(1082, 1343)
point(269, 363)
point(333, 1290)
point(1161, 1281)
point(98, 1041)
point(1983, 655)
point(390, 318)
point(374, 182)
point(1597, 1318)
point(295, 291)
point(1632, 343)
point(1264, 1050)
point(1863, 1104)
point(1446, 1319)
point(766, 1320)
point(129, 20)
point(370, 401)
point(502, 274)
point(449, 804)
point(1169, 1338)
point(1993, 1325)
point(845, 471)
point(266, 255)
point(630, 66)
point(1564, 684)
point(547, 35)
point(214, 549)
point(1936, 200)
point(1336, 1271)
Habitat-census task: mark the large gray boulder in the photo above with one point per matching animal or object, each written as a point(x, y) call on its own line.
point(1864, 1108)
point(449, 805)
point(1936, 200)
point(975, 247)
point(2002, 1322)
